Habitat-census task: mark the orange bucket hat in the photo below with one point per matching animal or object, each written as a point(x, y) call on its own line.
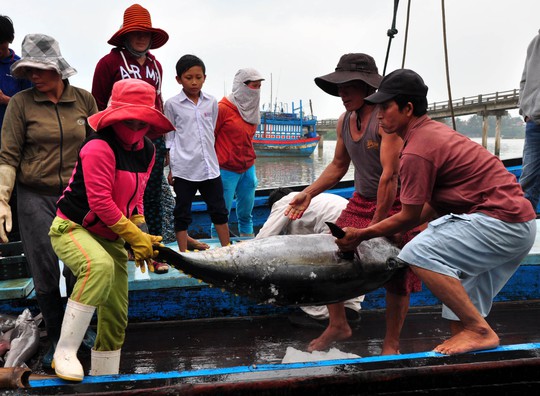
point(137, 19)
point(132, 99)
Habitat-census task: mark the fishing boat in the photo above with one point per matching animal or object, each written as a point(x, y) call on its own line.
point(286, 133)
point(200, 228)
point(185, 336)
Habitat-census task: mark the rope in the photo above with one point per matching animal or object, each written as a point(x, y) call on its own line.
point(450, 104)
point(391, 33)
point(406, 34)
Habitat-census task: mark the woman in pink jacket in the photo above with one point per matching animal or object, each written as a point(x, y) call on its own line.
point(100, 210)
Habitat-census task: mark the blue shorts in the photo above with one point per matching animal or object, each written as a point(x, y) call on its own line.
point(479, 250)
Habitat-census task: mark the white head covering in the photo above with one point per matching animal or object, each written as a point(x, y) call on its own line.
point(247, 99)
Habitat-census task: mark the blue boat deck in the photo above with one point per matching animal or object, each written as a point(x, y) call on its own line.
point(187, 335)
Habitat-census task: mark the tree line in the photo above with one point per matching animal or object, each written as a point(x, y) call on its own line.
point(511, 127)
point(471, 126)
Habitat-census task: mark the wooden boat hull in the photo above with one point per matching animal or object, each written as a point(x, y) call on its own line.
point(175, 350)
point(201, 333)
point(286, 134)
point(506, 370)
point(285, 147)
point(243, 356)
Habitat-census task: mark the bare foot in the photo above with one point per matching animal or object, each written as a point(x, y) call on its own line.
point(390, 348)
point(330, 335)
point(386, 352)
point(467, 341)
point(194, 244)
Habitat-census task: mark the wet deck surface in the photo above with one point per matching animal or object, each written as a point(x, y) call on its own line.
point(220, 343)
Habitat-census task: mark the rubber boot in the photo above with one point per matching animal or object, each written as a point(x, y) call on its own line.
point(54, 335)
point(90, 336)
point(52, 309)
point(76, 320)
point(105, 362)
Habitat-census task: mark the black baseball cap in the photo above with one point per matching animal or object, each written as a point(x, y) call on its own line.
point(399, 82)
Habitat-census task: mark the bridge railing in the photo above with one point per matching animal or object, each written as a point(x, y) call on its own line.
point(491, 98)
point(328, 122)
point(509, 99)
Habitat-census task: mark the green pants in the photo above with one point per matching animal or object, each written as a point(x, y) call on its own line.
point(100, 266)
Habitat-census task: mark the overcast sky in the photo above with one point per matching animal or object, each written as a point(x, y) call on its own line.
point(295, 41)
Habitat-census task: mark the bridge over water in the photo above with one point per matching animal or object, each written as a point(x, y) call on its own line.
point(493, 104)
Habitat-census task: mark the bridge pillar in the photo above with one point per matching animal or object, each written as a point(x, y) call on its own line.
point(498, 114)
point(323, 127)
point(485, 127)
point(320, 147)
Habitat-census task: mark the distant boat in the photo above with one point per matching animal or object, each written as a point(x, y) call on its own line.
point(283, 133)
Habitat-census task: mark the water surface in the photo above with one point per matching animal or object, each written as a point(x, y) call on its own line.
point(274, 172)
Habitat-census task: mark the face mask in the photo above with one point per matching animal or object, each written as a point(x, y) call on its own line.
point(247, 101)
point(127, 135)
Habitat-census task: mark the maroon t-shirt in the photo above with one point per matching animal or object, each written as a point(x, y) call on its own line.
point(112, 68)
point(456, 175)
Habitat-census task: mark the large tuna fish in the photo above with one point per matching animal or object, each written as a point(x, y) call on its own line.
point(290, 269)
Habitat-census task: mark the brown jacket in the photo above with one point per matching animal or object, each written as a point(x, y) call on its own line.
point(41, 139)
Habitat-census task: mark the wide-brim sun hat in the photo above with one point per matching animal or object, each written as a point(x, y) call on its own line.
point(350, 67)
point(132, 99)
point(399, 82)
point(40, 51)
point(137, 19)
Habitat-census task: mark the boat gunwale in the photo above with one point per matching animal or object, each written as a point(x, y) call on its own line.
point(366, 367)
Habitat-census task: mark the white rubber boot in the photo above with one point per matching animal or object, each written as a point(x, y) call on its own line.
point(105, 362)
point(76, 320)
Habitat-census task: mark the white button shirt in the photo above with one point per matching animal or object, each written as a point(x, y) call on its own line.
point(322, 208)
point(191, 146)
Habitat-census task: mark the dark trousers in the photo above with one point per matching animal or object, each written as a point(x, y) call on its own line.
point(211, 192)
point(36, 213)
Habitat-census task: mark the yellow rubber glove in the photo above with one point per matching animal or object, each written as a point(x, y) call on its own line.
point(141, 242)
point(156, 240)
point(140, 222)
point(138, 219)
point(7, 181)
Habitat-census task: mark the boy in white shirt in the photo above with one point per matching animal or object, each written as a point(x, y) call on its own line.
point(192, 158)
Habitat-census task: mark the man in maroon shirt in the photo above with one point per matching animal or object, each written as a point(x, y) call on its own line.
point(483, 225)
